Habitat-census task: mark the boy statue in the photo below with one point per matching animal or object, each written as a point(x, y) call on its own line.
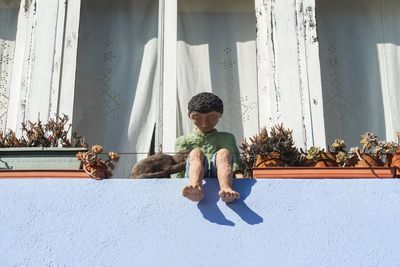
point(213, 154)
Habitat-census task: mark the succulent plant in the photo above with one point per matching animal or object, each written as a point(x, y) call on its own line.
point(93, 162)
point(342, 158)
point(384, 147)
point(338, 145)
point(368, 141)
point(355, 152)
point(378, 149)
point(314, 153)
point(54, 133)
point(278, 139)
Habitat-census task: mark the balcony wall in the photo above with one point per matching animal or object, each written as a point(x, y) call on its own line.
point(57, 222)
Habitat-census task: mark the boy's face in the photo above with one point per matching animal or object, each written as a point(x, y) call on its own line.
point(205, 122)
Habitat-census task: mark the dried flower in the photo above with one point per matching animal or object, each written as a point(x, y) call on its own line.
point(94, 165)
point(278, 139)
point(81, 156)
point(338, 145)
point(91, 157)
point(368, 140)
point(355, 151)
point(314, 153)
point(97, 149)
point(384, 148)
point(113, 156)
point(342, 158)
point(54, 133)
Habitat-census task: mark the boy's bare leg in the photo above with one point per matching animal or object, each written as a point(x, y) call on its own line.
point(224, 169)
point(194, 190)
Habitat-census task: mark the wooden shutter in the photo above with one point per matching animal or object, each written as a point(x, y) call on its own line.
point(289, 79)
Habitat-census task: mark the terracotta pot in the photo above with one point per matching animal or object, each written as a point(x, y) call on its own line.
point(273, 159)
point(27, 174)
point(368, 161)
point(353, 161)
point(328, 159)
point(325, 163)
point(322, 173)
point(96, 172)
point(395, 160)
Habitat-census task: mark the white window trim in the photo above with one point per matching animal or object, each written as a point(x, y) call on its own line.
point(169, 89)
point(55, 82)
point(63, 49)
point(277, 27)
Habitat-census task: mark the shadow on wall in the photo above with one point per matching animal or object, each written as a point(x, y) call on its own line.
point(212, 213)
point(358, 66)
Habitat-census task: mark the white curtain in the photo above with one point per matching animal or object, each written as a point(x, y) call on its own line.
point(360, 65)
point(117, 77)
point(8, 29)
point(217, 53)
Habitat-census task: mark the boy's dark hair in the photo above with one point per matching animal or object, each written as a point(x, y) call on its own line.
point(205, 103)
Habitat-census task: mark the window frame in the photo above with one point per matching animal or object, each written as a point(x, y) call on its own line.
point(274, 41)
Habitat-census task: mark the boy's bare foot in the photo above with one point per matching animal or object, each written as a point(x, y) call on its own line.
point(228, 195)
point(193, 192)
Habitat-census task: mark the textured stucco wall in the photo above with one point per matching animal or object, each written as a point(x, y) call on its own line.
point(51, 222)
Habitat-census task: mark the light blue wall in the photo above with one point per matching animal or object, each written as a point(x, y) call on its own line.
point(53, 222)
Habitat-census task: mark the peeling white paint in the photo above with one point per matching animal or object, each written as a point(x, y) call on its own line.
point(288, 69)
point(37, 69)
point(67, 84)
point(289, 85)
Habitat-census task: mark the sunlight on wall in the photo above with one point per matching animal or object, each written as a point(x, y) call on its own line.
point(148, 223)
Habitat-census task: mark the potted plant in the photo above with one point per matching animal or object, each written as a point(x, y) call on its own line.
point(335, 156)
point(94, 165)
point(269, 149)
point(41, 146)
point(394, 158)
point(44, 150)
point(318, 163)
point(369, 155)
point(319, 158)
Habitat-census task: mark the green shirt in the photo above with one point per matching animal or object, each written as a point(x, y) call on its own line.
point(209, 143)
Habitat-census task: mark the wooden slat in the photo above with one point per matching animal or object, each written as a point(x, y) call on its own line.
point(21, 67)
point(313, 69)
point(266, 97)
point(289, 80)
point(57, 59)
point(42, 56)
point(66, 97)
point(38, 61)
point(169, 108)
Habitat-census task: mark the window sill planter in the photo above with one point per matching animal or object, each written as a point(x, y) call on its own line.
point(26, 174)
point(40, 158)
point(321, 173)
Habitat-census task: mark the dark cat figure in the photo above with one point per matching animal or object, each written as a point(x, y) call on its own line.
point(159, 165)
